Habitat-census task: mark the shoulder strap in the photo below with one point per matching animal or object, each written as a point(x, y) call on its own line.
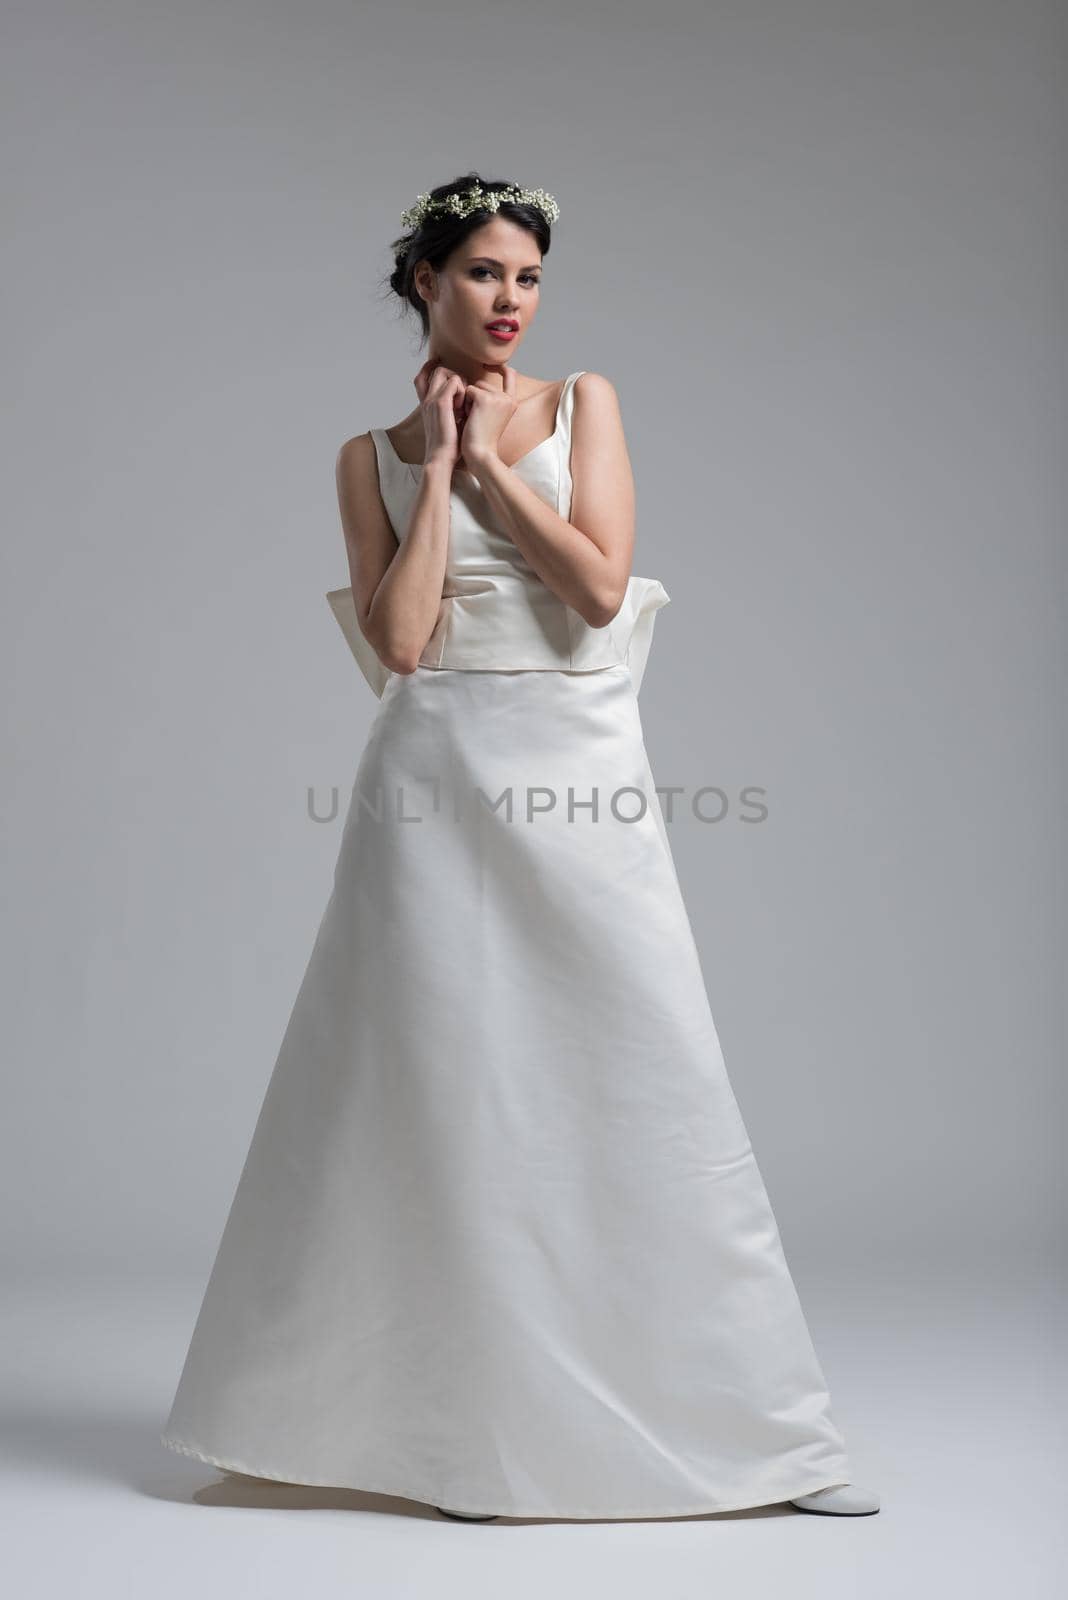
point(392, 476)
point(567, 402)
point(565, 483)
point(386, 456)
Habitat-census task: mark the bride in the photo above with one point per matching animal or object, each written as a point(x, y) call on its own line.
point(500, 1243)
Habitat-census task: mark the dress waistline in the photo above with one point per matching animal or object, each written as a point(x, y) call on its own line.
point(492, 630)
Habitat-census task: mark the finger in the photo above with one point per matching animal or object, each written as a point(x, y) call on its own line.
point(422, 377)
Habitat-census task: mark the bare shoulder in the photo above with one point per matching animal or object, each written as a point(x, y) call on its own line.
point(597, 415)
point(595, 384)
point(355, 456)
point(596, 397)
point(364, 518)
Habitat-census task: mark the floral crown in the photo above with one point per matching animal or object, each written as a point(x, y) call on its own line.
point(479, 199)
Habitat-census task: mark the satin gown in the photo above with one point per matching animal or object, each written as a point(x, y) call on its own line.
point(500, 1242)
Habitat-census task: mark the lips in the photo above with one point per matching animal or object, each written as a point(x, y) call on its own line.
point(503, 325)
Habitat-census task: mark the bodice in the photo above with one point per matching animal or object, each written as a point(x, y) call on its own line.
point(496, 613)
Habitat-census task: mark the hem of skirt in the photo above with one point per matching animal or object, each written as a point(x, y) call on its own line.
point(809, 1485)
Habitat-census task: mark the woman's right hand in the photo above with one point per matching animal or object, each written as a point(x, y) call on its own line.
point(441, 398)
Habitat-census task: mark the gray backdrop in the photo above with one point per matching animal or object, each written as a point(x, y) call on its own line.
point(813, 245)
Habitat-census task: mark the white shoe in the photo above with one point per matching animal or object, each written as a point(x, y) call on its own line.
point(468, 1516)
point(842, 1500)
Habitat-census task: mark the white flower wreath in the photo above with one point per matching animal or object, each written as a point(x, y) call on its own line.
point(479, 199)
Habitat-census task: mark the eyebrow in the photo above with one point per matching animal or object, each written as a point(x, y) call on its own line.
point(534, 266)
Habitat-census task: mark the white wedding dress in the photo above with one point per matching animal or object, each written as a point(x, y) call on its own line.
point(500, 1242)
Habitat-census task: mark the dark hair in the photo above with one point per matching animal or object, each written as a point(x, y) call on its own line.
point(438, 235)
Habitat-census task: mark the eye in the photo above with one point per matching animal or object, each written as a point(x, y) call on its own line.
point(528, 277)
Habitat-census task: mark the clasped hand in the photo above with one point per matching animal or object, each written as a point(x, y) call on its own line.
point(463, 422)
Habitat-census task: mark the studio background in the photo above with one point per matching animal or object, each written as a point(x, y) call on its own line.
point(814, 246)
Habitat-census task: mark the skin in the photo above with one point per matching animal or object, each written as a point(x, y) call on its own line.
point(477, 414)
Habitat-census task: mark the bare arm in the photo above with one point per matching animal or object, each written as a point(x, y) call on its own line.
point(397, 587)
point(585, 561)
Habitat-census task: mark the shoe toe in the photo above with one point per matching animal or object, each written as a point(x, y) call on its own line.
point(468, 1516)
point(841, 1500)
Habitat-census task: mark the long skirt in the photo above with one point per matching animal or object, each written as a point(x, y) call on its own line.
point(500, 1243)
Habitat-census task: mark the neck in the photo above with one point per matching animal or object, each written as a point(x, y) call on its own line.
point(467, 367)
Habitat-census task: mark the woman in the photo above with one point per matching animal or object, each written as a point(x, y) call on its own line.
point(500, 1243)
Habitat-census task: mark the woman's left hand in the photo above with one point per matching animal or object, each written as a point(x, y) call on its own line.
point(487, 411)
